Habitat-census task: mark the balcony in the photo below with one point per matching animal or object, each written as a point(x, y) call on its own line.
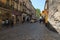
point(24, 4)
point(7, 6)
point(17, 1)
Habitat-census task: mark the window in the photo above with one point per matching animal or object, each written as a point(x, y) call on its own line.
point(17, 1)
point(7, 3)
point(24, 3)
point(20, 3)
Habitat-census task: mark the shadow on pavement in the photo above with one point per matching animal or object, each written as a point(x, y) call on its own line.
point(51, 28)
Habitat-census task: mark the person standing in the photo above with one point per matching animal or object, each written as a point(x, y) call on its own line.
point(7, 22)
point(40, 19)
point(23, 20)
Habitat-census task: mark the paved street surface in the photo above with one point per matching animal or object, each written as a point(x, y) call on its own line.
point(28, 31)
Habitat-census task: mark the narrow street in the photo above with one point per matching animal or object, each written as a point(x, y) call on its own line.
point(28, 31)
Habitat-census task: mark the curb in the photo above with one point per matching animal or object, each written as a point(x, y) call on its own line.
point(51, 28)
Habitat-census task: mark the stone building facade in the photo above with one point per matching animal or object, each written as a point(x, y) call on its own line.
point(54, 13)
point(16, 9)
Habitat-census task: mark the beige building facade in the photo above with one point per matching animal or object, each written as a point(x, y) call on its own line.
point(54, 13)
point(15, 9)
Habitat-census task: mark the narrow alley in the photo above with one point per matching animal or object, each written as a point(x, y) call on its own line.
point(29, 19)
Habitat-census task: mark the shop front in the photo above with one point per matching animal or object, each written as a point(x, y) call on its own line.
point(4, 15)
point(17, 17)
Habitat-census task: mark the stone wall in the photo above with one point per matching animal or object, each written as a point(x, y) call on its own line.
point(54, 13)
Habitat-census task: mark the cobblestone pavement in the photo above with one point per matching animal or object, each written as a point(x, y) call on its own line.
point(28, 31)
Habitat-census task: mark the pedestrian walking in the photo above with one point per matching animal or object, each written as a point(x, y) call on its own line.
point(3, 23)
point(7, 23)
point(11, 22)
point(23, 20)
point(40, 19)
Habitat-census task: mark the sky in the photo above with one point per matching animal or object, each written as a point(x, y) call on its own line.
point(38, 4)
